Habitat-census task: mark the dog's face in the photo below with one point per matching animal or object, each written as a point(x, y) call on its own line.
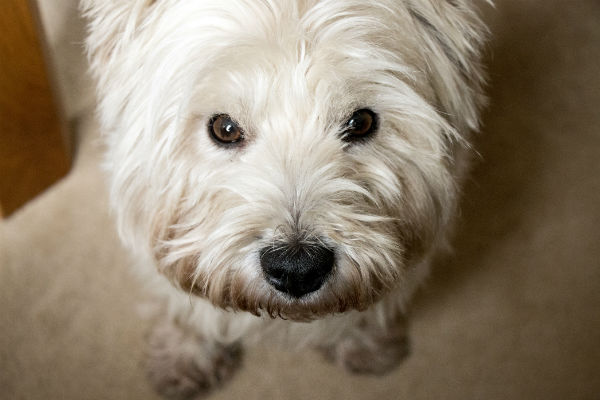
point(286, 157)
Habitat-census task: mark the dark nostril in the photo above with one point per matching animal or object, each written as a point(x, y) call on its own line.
point(296, 269)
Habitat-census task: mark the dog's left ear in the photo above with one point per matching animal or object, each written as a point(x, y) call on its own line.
point(112, 25)
point(453, 35)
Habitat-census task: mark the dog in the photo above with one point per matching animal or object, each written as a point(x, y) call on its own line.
point(283, 169)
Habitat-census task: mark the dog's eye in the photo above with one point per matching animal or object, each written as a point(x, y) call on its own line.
point(224, 130)
point(361, 124)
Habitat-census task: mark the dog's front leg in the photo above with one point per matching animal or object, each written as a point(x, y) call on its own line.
point(374, 346)
point(182, 363)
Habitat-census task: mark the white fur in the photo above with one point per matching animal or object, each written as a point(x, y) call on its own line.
point(290, 72)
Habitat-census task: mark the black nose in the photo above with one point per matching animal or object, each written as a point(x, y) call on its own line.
point(296, 269)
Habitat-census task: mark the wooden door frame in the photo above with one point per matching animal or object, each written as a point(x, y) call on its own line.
point(33, 141)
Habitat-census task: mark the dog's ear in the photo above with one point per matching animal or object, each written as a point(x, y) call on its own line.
point(454, 35)
point(112, 24)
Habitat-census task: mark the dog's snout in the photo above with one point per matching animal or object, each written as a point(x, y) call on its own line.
point(298, 269)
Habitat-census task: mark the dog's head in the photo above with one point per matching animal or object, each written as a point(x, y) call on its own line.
point(295, 157)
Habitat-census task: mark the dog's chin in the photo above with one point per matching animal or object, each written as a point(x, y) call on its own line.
point(260, 299)
point(310, 307)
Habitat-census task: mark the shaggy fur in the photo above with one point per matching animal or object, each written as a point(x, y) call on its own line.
point(290, 73)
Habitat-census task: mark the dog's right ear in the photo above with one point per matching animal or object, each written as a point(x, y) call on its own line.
point(112, 25)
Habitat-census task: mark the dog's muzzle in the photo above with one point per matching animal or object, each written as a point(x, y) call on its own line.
point(296, 269)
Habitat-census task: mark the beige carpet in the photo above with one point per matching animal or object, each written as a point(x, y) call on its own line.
point(513, 314)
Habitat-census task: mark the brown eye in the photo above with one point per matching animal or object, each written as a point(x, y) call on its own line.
point(362, 123)
point(225, 130)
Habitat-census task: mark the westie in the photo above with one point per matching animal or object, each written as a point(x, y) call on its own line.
point(283, 169)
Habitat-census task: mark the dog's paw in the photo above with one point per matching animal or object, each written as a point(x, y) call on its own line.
point(365, 354)
point(183, 366)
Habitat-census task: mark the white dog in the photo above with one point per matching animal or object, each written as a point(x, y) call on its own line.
point(283, 168)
